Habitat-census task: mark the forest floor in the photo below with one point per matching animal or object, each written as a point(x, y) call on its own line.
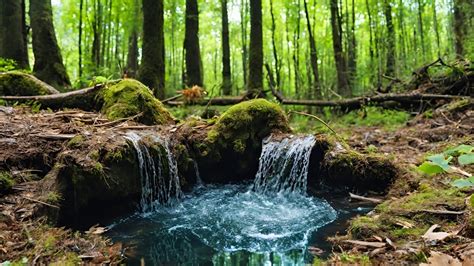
point(387, 235)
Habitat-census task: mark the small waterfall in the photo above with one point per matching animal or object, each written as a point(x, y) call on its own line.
point(155, 190)
point(283, 165)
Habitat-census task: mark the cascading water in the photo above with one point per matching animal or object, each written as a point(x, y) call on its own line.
point(284, 164)
point(155, 189)
point(272, 216)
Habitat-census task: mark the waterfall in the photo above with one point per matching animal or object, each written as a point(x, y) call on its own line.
point(155, 189)
point(284, 164)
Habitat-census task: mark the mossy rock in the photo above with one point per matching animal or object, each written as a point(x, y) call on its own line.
point(17, 83)
point(229, 151)
point(128, 98)
point(6, 182)
point(342, 168)
point(251, 120)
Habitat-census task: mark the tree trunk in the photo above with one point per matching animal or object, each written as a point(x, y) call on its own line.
point(194, 75)
point(462, 13)
point(152, 69)
point(296, 52)
point(341, 66)
point(97, 34)
point(243, 25)
point(313, 54)
point(275, 54)
point(352, 53)
point(132, 55)
point(49, 65)
point(226, 72)
point(79, 41)
point(435, 26)
point(390, 39)
point(420, 29)
point(12, 32)
point(255, 81)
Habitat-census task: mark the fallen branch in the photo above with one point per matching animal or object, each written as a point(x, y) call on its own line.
point(365, 243)
point(372, 200)
point(55, 136)
point(42, 202)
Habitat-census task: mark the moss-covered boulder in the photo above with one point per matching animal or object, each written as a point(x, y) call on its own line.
point(17, 83)
point(128, 98)
point(230, 149)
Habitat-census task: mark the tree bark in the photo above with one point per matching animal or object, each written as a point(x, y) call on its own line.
point(462, 14)
point(390, 39)
point(132, 55)
point(97, 35)
point(79, 41)
point(313, 54)
point(243, 29)
point(12, 29)
point(275, 54)
point(152, 69)
point(255, 81)
point(226, 71)
point(49, 65)
point(194, 74)
point(341, 65)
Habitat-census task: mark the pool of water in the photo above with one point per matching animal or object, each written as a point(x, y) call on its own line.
point(229, 225)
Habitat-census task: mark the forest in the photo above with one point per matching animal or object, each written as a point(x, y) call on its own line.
point(236, 132)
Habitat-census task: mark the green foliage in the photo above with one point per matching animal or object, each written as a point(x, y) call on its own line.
point(376, 116)
point(440, 163)
point(7, 65)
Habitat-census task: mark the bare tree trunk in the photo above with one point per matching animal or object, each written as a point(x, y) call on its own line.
point(97, 34)
point(275, 54)
point(79, 42)
point(352, 52)
point(12, 32)
point(462, 14)
point(435, 26)
point(243, 25)
point(420, 29)
point(226, 71)
point(194, 75)
point(316, 88)
point(255, 81)
point(49, 65)
point(132, 56)
point(152, 68)
point(390, 39)
point(341, 66)
point(296, 52)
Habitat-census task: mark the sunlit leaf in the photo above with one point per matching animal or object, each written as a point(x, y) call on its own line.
point(441, 161)
point(462, 183)
point(430, 168)
point(466, 159)
point(461, 149)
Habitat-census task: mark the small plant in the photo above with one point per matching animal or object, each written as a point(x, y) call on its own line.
point(7, 65)
point(442, 163)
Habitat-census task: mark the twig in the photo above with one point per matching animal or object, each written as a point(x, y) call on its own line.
point(56, 136)
point(119, 120)
point(365, 243)
point(42, 202)
point(357, 197)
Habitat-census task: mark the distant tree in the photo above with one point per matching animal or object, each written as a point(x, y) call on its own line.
point(132, 55)
point(339, 57)
point(48, 65)
point(463, 14)
point(13, 32)
point(255, 80)
point(313, 54)
point(152, 68)
point(390, 38)
point(226, 71)
point(194, 75)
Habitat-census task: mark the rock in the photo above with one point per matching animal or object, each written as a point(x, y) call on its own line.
point(17, 83)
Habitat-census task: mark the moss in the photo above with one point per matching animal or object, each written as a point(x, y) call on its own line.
point(364, 227)
point(6, 182)
point(17, 83)
point(429, 198)
point(53, 197)
point(76, 142)
point(251, 120)
point(128, 98)
point(94, 155)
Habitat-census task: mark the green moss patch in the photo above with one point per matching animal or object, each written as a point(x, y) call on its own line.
point(6, 182)
point(17, 83)
point(251, 120)
point(129, 98)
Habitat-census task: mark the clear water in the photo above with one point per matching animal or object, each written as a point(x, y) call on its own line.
point(217, 224)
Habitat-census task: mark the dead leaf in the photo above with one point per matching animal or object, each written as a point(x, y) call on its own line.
point(441, 259)
point(430, 235)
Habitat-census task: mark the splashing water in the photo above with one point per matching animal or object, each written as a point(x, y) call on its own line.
point(155, 189)
point(284, 164)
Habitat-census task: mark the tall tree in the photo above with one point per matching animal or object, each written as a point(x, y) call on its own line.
point(352, 51)
point(152, 68)
point(226, 72)
point(255, 80)
point(97, 34)
point(194, 75)
point(12, 32)
point(132, 55)
point(79, 40)
point(49, 65)
point(339, 57)
point(243, 30)
point(275, 53)
point(390, 38)
point(462, 13)
point(313, 53)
